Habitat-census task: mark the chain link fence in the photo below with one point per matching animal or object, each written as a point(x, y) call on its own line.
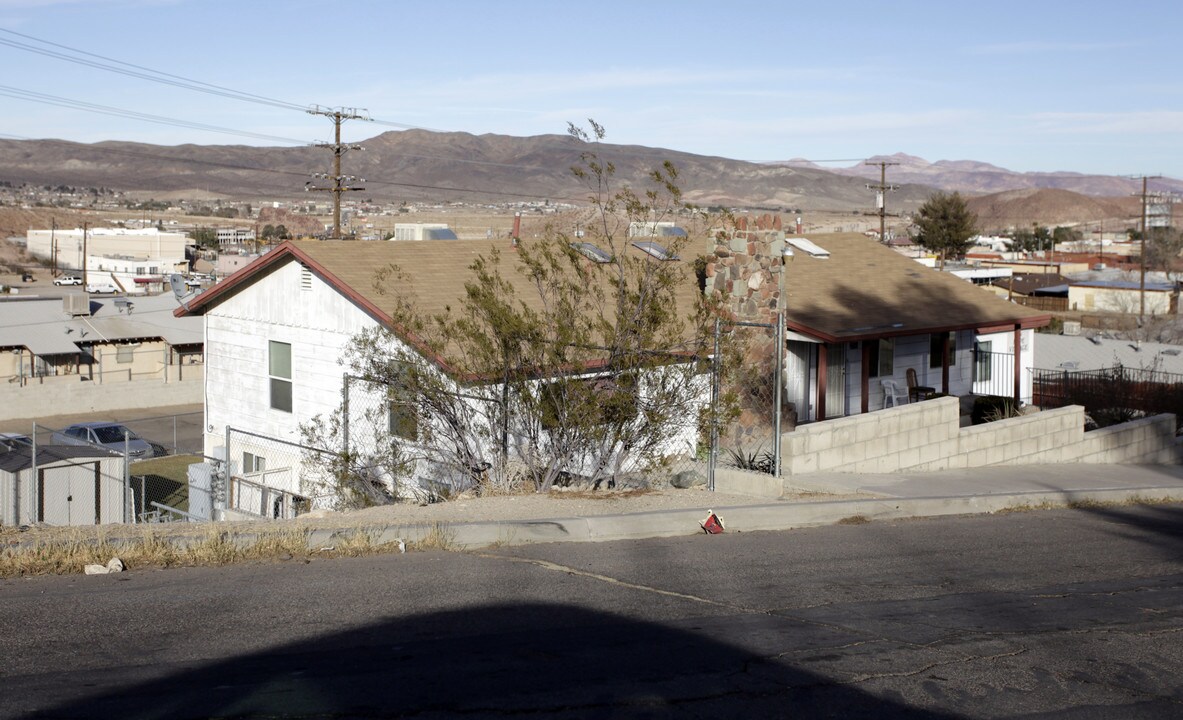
point(99, 473)
point(384, 446)
point(747, 393)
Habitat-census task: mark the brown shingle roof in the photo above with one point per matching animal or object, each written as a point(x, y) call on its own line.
point(867, 290)
point(433, 275)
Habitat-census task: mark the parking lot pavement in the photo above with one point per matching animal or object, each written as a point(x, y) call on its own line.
point(177, 426)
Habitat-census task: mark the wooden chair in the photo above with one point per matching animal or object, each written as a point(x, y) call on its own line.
point(893, 393)
point(916, 393)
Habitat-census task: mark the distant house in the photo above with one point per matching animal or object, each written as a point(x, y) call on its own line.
point(861, 319)
point(1124, 296)
point(96, 353)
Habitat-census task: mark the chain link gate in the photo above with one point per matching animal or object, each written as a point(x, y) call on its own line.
point(746, 398)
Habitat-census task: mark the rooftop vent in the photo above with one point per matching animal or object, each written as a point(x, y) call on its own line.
point(1071, 327)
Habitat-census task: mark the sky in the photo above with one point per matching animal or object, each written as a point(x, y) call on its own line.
point(1084, 86)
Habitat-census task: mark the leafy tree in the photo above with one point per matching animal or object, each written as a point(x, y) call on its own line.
point(945, 225)
point(281, 232)
point(268, 232)
point(584, 370)
point(206, 237)
point(1066, 235)
point(1037, 239)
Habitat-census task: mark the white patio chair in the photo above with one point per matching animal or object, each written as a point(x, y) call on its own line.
point(893, 393)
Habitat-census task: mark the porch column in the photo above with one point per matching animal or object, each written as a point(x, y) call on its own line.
point(945, 363)
point(822, 353)
point(866, 373)
point(1018, 364)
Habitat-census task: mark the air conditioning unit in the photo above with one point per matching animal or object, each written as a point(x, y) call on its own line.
point(76, 304)
point(1071, 327)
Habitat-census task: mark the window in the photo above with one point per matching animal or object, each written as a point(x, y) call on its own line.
point(934, 349)
point(404, 419)
point(280, 371)
point(125, 353)
point(252, 463)
point(982, 357)
point(882, 363)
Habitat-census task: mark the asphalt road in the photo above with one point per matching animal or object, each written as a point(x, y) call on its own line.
point(1074, 614)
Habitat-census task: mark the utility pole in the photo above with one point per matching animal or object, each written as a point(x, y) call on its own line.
point(1142, 252)
point(881, 195)
point(53, 247)
point(85, 231)
point(340, 182)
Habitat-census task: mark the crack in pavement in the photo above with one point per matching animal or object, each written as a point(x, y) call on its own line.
point(548, 565)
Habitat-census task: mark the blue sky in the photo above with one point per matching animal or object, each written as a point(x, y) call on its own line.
point(1080, 86)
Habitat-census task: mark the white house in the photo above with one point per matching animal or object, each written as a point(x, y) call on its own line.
point(863, 321)
point(276, 331)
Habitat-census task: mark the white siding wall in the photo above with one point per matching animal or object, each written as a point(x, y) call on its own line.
point(318, 322)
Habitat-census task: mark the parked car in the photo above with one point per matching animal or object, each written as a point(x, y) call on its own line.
point(27, 277)
point(109, 435)
point(14, 440)
point(99, 288)
point(68, 280)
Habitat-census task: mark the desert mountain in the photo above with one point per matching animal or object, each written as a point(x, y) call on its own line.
point(969, 176)
point(416, 165)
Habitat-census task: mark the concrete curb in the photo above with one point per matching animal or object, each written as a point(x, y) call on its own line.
point(744, 518)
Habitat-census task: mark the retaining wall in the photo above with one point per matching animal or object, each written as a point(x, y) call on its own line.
point(927, 436)
point(37, 400)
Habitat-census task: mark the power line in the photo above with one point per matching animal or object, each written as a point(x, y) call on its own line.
point(146, 74)
point(32, 96)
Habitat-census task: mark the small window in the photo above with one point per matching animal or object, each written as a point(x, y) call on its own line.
point(252, 463)
point(982, 364)
point(404, 419)
point(882, 363)
point(280, 371)
point(934, 349)
point(125, 353)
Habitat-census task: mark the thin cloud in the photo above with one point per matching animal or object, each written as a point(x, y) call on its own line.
point(1161, 122)
point(1031, 47)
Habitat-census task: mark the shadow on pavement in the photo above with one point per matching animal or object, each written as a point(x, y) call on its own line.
point(540, 660)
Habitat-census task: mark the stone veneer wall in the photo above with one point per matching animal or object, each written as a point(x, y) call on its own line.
point(926, 437)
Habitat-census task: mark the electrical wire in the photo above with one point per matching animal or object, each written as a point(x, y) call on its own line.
point(32, 96)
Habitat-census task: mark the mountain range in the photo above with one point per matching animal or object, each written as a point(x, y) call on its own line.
point(421, 165)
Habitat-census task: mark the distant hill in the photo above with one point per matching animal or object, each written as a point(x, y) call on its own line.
point(1021, 208)
point(421, 165)
point(969, 176)
point(416, 165)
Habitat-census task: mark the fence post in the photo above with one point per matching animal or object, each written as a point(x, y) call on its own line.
point(176, 449)
point(345, 416)
point(714, 451)
point(34, 500)
point(127, 499)
point(778, 379)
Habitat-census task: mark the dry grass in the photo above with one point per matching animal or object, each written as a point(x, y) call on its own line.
point(439, 537)
point(68, 552)
point(855, 520)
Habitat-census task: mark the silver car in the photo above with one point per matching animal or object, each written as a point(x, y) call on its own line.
point(108, 435)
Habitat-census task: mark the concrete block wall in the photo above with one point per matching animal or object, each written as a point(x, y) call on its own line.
point(73, 396)
point(926, 436)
